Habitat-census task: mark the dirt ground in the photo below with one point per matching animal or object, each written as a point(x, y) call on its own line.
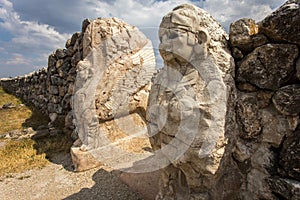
point(58, 181)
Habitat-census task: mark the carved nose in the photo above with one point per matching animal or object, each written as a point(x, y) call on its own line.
point(165, 47)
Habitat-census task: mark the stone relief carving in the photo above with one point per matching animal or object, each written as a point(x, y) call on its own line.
point(188, 101)
point(112, 80)
point(260, 162)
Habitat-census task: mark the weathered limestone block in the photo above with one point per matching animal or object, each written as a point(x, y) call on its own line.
point(83, 160)
point(244, 35)
point(287, 100)
point(283, 24)
point(269, 66)
point(248, 116)
point(188, 104)
point(275, 126)
point(111, 86)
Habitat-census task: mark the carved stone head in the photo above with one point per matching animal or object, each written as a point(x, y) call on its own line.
point(181, 37)
point(189, 100)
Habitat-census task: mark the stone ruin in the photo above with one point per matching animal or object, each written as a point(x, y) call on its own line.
point(222, 115)
point(111, 92)
point(224, 142)
point(189, 102)
point(266, 151)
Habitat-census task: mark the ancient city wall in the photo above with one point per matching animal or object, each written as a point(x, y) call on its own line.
point(257, 67)
point(50, 89)
point(267, 149)
point(256, 154)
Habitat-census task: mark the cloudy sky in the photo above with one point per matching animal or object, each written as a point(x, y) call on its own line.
point(31, 29)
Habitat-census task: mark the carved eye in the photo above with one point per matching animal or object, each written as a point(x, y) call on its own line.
point(173, 35)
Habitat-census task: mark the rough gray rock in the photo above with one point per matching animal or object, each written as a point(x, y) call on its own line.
point(285, 188)
point(283, 24)
point(298, 68)
point(290, 156)
point(248, 116)
point(269, 66)
point(244, 35)
point(60, 53)
point(287, 100)
point(274, 126)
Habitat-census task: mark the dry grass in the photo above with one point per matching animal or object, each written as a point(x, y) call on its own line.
point(17, 156)
point(8, 98)
point(20, 155)
point(18, 117)
point(13, 119)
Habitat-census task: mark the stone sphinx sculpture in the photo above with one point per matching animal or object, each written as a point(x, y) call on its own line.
point(189, 101)
point(111, 86)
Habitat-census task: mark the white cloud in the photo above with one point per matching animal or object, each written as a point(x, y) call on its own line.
point(29, 33)
point(29, 44)
point(32, 35)
point(17, 59)
point(228, 11)
point(139, 13)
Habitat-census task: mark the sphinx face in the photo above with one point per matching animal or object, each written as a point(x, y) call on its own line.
point(176, 44)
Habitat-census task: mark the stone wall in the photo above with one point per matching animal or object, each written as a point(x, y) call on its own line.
point(256, 155)
point(252, 153)
point(267, 150)
point(50, 89)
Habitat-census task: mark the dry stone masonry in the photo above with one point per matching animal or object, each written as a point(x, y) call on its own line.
point(222, 115)
point(267, 148)
point(50, 89)
point(257, 153)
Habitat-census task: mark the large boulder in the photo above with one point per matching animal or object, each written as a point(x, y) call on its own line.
point(283, 24)
point(244, 35)
point(287, 100)
point(269, 66)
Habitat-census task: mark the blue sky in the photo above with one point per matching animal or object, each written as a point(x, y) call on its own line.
point(30, 30)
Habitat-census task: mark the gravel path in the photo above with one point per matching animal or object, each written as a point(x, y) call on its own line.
point(57, 181)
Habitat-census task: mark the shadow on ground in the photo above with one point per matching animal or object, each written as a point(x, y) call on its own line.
point(54, 142)
point(107, 186)
point(36, 120)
